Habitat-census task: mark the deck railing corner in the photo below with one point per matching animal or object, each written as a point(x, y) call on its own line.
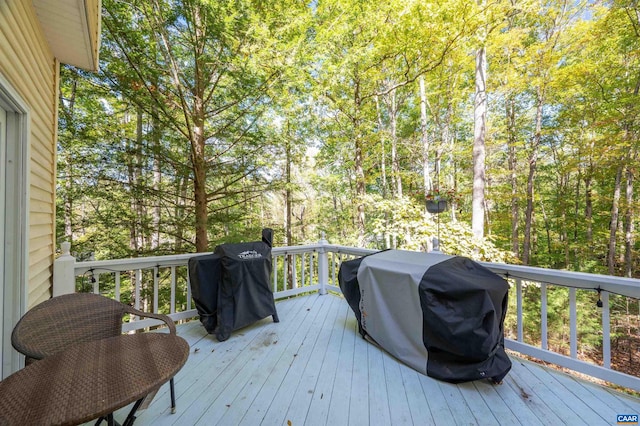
point(323, 265)
point(64, 279)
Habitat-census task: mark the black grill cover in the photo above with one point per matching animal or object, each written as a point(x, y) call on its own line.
point(348, 279)
point(442, 315)
point(245, 295)
point(205, 274)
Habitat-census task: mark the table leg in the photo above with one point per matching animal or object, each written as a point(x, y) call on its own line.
point(110, 420)
point(173, 396)
point(132, 417)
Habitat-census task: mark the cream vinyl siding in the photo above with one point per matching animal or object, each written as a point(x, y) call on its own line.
point(29, 65)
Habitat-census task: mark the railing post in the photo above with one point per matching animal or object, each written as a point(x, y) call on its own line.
point(323, 266)
point(64, 279)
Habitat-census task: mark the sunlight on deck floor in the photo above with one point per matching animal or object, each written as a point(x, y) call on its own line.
point(313, 368)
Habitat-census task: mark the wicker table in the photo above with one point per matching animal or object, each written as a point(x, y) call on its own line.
point(91, 380)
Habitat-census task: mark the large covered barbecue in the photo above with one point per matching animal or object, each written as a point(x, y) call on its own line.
point(231, 287)
point(441, 315)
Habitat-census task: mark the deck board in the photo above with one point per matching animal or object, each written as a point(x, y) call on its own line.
point(294, 364)
point(322, 395)
point(418, 402)
point(338, 414)
point(313, 368)
point(264, 398)
point(399, 410)
point(359, 396)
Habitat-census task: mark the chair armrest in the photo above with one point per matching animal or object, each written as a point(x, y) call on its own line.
point(162, 317)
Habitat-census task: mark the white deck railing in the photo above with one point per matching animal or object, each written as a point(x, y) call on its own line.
point(161, 284)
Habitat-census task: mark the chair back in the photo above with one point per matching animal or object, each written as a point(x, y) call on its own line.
point(57, 323)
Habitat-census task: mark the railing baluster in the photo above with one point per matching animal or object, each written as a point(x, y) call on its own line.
point(188, 293)
point(606, 330)
point(285, 272)
point(156, 280)
point(96, 283)
point(519, 309)
point(333, 269)
point(275, 274)
point(172, 307)
point(573, 324)
point(303, 268)
point(294, 275)
point(117, 289)
point(543, 316)
point(137, 284)
point(312, 268)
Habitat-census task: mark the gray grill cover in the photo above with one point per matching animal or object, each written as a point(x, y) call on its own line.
point(441, 315)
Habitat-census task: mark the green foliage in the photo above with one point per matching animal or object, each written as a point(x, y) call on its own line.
point(325, 91)
point(313, 121)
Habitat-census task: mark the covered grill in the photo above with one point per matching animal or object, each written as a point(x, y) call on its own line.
point(441, 315)
point(231, 287)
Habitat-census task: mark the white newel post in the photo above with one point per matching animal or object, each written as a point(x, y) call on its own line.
point(64, 280)
point(323, 266)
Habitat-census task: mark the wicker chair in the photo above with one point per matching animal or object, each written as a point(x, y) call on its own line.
point(57, 323)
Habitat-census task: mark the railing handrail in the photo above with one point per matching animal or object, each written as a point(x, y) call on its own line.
point(317, 265)
point(618, 285)
point(122, 265)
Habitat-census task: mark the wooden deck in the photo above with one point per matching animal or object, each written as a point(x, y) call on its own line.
point(313, 368)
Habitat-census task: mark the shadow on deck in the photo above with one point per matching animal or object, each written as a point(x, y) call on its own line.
point(314, 368)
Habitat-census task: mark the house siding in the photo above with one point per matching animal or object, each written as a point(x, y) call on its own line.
point(29, 65)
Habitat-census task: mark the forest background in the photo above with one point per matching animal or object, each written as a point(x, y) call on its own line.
point(210, 120)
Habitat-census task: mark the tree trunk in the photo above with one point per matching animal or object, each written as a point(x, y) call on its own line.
point(359, 163)
point(533, 160)
point(613, 225)
point(513, 176)
point(198, 142)
point(132, 181)
point(448, 140)
point(424, 135)
point(157, 180)
point(547, 228)
point(360, 189)
point(383, 162)
point(140, 211)
point(479, 133)
point(395, 164)
point(576, 221)
point(383, 154)
point(528, 214)
point(68, 182)
point(588, 212)
point(179, 211)
point(68, 202)
point(564, 233)
point(288, 215)
point(629, 240)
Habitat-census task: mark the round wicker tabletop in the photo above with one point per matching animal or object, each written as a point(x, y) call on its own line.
point(91, 380)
